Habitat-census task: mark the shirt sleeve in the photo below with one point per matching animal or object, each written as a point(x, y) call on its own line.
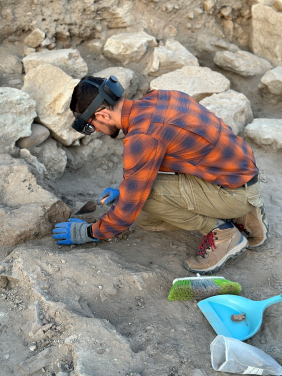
point(142, 158)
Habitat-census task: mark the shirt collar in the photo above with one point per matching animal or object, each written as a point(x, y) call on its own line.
point(125, 113)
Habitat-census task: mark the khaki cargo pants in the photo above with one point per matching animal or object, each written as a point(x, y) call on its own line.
point(180, 201)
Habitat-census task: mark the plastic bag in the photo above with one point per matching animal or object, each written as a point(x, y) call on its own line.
point(234, 356)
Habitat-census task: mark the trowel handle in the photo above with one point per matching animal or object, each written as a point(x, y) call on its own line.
point(270, 301)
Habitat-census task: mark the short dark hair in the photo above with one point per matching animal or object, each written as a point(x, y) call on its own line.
point(84, 93)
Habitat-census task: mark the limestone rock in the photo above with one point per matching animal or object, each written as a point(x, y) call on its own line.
point(27, 210)
point(9, 62)
point(277, 5)
point(266, 36)
point(17, 111)
point(94, 45)
point(69, 60)
point(39, 134)
point(224, 45)
point(126, 77)
point(119, 16)
point(35, 38)
point(38, 361)
point(52, 89)
point(271, 82)
point(28, 50)
point(127, 47)
point(52, 157)
point(266, 133)
point(196, 81)
point(241, 62)
point(36, 168)
point(169, 57)
point(232, 107)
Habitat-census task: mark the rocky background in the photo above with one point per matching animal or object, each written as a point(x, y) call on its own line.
point(102, 309)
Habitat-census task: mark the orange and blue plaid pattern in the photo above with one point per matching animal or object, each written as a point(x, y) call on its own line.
point(170, 131)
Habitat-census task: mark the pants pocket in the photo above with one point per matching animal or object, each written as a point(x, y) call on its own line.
point(255, 200)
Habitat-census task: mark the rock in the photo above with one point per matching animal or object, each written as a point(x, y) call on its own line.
point(36, 168)
point(127, 47)
point(3, 282)
point(78, 155)
point(38, 361)
point(271, 83)
point(69, 60)
point(15, 82)
point(241, 62)
point(39, 134)
point(232, 107)
point(35, 38)
point(28, 50)
point(266, 133)
point(266, 35)
point(94, 45)
point(52, 157)
point(9, 63)
point(52, 89)
point(97, 347)
point(17, 111)
point(126, 77)
point(120, 16)
point(277, 5)
point(27, 210)
point(169, 57)
point(196, 81)
point(224, 45)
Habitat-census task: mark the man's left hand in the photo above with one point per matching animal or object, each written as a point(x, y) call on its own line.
point(72, 232)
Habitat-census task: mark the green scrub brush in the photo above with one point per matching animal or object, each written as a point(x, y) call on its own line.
point(202, 287)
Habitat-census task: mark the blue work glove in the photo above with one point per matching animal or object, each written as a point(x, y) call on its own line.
point(73, 232)
point(112, 193)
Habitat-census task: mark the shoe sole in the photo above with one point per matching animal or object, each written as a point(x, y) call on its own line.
point(266, 224)
point(236, 251)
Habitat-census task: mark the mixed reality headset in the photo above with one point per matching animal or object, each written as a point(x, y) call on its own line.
point(110, 90)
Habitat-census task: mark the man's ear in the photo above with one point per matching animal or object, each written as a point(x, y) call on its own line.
point(103, 115)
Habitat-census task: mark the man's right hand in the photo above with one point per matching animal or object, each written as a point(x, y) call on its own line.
point(111, 193)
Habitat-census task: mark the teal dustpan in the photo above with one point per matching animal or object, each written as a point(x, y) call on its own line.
point(219, 309)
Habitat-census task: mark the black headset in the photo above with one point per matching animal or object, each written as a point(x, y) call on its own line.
point(110, 90)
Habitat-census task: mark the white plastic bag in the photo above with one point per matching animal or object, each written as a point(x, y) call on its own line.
point(234, 356)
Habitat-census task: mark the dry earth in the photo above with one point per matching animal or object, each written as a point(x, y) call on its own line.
point(102, 308)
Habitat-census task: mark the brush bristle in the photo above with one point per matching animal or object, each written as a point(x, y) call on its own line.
point(202, 288)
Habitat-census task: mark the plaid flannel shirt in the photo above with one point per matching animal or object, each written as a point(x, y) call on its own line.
point(170, 131)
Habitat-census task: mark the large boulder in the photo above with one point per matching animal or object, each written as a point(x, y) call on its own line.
point(127, 47)
point(126, 77)
point(241, 62)
point(271, 83)
point(52, 157)
point(266, 35)
point(69, 60)
point(169, 57)
point(232, 107)
point(52, 89)
point(17, 112)
point(27, 210)
point(266, 133)
point(196, 81)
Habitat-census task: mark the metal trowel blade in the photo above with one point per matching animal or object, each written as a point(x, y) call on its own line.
point(89, 207)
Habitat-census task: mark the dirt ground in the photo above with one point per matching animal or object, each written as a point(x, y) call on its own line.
point(124, 282)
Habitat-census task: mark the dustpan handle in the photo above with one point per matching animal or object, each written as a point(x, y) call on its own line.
point(270, 301)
